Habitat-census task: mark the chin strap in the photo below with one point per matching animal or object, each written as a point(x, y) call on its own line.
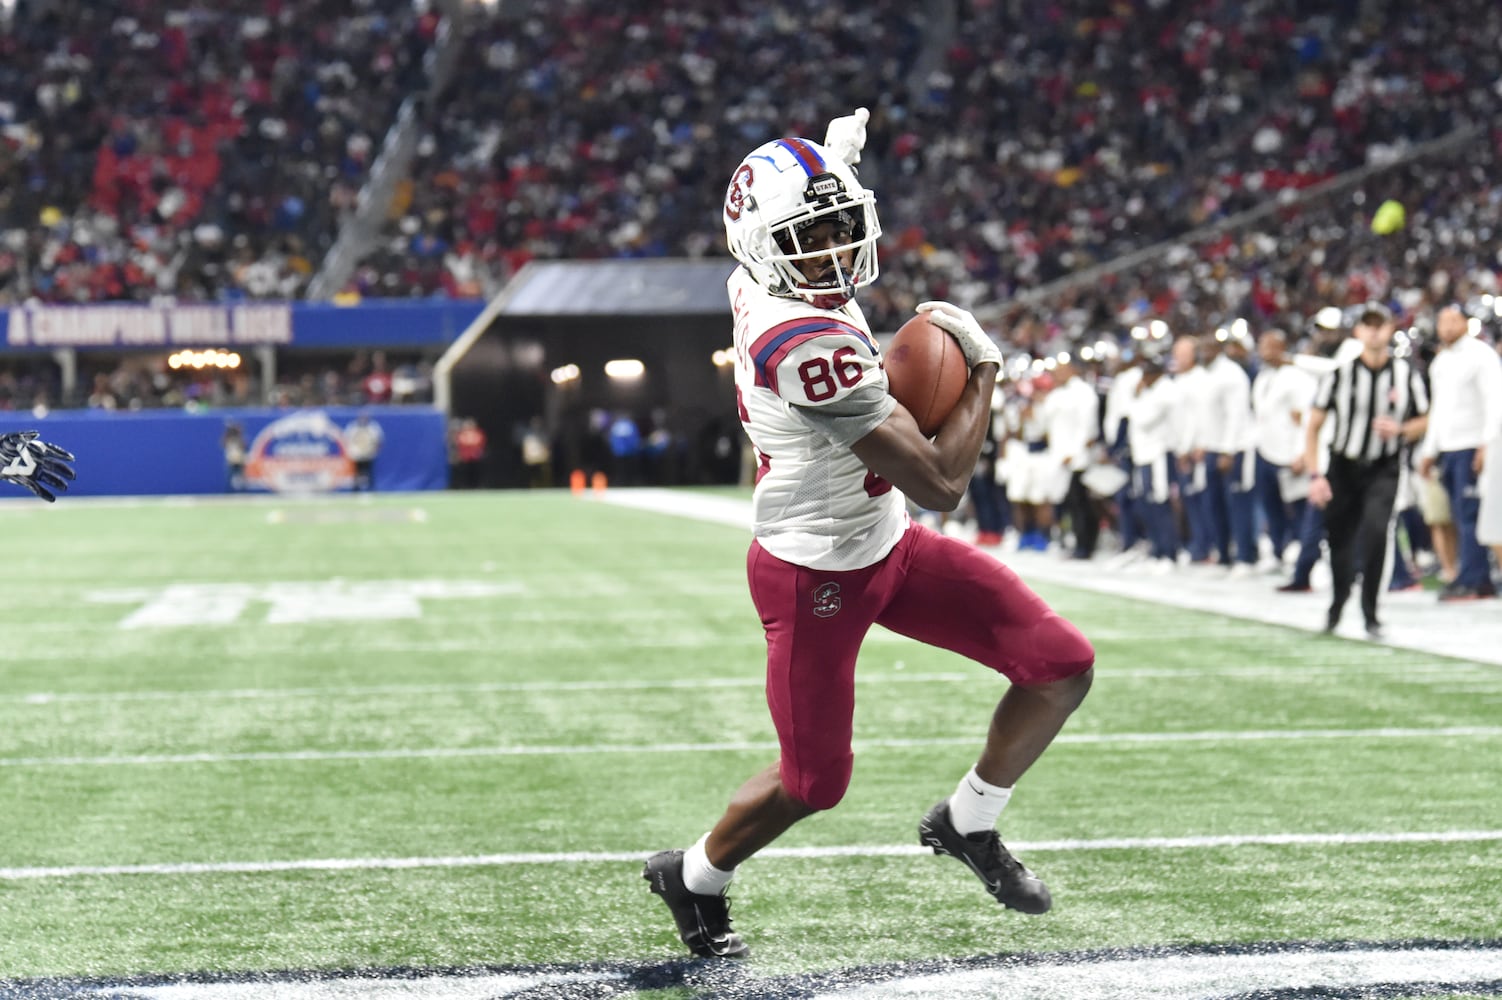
point(835, 301)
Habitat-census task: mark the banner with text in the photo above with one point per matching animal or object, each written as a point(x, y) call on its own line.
point(151, 452)
point(121, 326)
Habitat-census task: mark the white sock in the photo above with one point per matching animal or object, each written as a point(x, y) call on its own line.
point(701, 877)
point(976, 804)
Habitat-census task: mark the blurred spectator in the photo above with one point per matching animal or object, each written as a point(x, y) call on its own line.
point(537, 454)
point(1466, 383)
point(233, 442)
point(377, 383)
point(1281, 394)
point(1071, 421)
point(624, 439)
point(1434, 507)
point(469, 454)
point(986, 496)
point(362, 440)
point(1193, 416)
point(1151, 437)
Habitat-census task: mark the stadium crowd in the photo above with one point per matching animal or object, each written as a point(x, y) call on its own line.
point(145, 381)
point(211, 151)
point(1281, 269)
point(203, 151)
point(1099, 129)
point(617, 141)
point(1033, 147)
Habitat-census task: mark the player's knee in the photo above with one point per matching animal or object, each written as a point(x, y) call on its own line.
point(1067, 659)
point(823, 786)
point(1071, 691)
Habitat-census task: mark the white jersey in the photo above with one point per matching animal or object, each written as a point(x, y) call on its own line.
point(1465, 385)
point(1195, 413)
point(1118, 400)
point(1152, 431)
point(1071, 413)
point(1229, 429)
point(809, 383)
point(1281, 396)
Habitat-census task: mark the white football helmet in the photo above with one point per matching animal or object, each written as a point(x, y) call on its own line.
point(779, 190)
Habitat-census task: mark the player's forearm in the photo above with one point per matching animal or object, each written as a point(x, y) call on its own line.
point(959, 440)
point(933, 473)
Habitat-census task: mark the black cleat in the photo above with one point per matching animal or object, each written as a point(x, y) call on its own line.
point(1005, 877)
point(703, 921)
point(1457, 591)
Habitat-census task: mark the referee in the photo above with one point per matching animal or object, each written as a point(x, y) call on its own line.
point(1378, 403)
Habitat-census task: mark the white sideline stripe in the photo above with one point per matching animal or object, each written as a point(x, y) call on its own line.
point(846, 851)
point(545, 750)
point(1420, 626)
point(1305, 972)
point(1470, 673)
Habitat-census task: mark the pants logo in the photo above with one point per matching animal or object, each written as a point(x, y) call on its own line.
point(826, 600)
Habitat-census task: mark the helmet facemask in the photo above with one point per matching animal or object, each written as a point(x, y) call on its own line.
point(856, 230)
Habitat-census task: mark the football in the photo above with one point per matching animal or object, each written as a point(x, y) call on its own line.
point(926, 372)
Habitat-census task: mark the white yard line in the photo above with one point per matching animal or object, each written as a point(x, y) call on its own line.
point(846, 851)
point(1412, 620)
point(498, 687)
point(741, 746)
point(1444, 671)
point(1307, 971)
point(1342, 971)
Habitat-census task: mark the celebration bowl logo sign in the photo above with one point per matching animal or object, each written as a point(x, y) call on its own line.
point(301, 453)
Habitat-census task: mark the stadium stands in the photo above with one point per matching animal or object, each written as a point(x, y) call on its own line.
point(1033, 149)
point(210, 152)
point(200, 150)
point(1281, 269)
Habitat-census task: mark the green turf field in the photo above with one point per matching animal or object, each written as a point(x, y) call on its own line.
point(440, 732)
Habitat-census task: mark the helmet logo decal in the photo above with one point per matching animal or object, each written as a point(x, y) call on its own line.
point(740, 184)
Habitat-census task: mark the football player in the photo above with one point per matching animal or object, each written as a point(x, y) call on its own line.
point(834, 550)
point(40, 467)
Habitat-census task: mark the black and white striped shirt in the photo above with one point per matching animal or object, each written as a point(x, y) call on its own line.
point(1354, 395)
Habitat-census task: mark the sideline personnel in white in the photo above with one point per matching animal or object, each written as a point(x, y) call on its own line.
point(1465, 382)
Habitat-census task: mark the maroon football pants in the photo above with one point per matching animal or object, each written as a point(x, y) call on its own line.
point(931, 588)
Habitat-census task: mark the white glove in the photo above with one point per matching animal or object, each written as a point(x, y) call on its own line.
point(975, 343)
point(846, 136)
